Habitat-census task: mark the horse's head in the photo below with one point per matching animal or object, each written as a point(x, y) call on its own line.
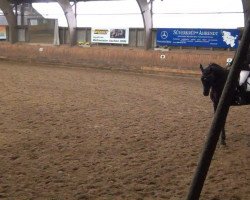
point(207, 78)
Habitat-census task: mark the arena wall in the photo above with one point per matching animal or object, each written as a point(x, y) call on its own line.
point(115, 58)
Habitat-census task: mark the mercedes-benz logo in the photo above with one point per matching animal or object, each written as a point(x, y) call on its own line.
point(164, 35)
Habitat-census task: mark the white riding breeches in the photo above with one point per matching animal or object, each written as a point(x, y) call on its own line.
point(248, 84)
point(243, 77)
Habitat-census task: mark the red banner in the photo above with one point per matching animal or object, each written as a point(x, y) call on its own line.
point(3, 35)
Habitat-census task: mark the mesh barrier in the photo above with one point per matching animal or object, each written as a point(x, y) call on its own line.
point(43, 31)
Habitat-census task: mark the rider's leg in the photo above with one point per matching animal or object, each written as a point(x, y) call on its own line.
point(244, 74)
point(243, 77)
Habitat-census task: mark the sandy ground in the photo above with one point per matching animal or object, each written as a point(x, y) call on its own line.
point(72, 133)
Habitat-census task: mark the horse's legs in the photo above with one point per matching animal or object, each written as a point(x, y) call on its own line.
point(223, 136)
point(223, 132)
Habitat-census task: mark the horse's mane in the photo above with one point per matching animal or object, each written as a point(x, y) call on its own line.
point(217, 68)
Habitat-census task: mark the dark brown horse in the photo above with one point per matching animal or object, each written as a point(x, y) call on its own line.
point(213, 79)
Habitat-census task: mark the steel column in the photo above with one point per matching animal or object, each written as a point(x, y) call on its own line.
point(11, 19)
point(147, 21)
point(219, 117)
point(246, 10)
point(71, 19)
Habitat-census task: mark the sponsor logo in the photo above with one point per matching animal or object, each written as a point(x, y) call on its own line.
point(164, 35)
point(101, 31)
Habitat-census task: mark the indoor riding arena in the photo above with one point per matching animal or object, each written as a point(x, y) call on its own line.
point(82, 133)
point(85, 119)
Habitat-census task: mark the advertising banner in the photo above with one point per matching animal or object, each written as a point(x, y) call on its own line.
point(3, 35)
point(219, 38)
point(107, 35)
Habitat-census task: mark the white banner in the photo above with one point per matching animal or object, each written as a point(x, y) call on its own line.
point(109, 35)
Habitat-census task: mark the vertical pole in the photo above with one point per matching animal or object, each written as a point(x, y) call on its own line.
point(136, 37)
point(219, 117)
point(22, 8)
point(76, 12)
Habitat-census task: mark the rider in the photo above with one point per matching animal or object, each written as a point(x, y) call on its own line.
point(242, 88)
point(244, 74)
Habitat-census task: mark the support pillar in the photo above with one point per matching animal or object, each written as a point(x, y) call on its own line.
point(71, 19)
point(11, 19)
point(219, 117)
point(147, 20)
point(22, 9)
point(246, 10)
